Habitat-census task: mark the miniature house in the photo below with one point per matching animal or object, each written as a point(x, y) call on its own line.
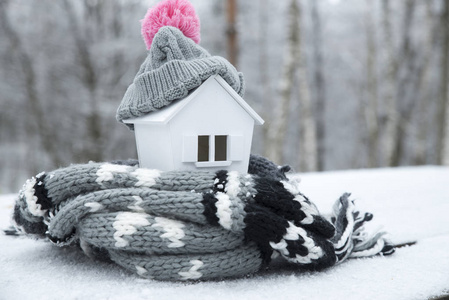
point(210, 129)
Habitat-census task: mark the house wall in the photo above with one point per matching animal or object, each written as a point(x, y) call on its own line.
point(154, 146)
point(211, 112)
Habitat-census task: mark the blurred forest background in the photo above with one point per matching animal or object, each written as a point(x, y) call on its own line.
point(340, 83)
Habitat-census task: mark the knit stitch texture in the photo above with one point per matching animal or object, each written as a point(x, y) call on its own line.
point(191, 225)
point(175, 66)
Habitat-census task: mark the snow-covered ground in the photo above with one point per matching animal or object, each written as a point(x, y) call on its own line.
point(410, 203)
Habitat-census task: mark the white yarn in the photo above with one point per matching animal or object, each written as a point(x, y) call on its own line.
point(233, 184)
point(106, 172)
point(193, 273)
point(173, 231)
point(125, 223)
point(141, 271)
point(293, 234)
point(146, 177)
point(136, 207)
point(94, 206)
point(31, 200)
point(224, 211)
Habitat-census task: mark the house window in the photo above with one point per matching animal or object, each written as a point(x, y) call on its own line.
point(203, 148)
point(221, 147)
point(212, 148)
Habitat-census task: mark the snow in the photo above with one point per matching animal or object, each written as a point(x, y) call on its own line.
point(411, 203)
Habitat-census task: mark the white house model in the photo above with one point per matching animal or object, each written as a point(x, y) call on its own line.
point(210, 129)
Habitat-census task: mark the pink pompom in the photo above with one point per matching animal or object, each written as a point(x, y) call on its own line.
point(176, 13)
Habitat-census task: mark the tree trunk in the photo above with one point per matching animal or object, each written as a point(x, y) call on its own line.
point(407, 65)
point(391, 132)
point(89, 79)
point(320, 87)
point(443, 113)
point(45, 132)
point(371, 106)
point(423, 89)
point(278, 127)
point(308, 159)
point(231, 32)
point(267, 101)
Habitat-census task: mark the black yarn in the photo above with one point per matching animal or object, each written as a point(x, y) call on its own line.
point(41, 192)
point(262, 227)
point(272, 194)
point(296, 247)
point(388, 249)
point(339, 249)
point(65, 240)
point(342, 255)
point(220, 181)
point(366, 218)
point(320, 226)
point(327, 260)
point(38, 228)
point(210, 210)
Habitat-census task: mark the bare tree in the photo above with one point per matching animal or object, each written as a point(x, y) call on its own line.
point(88, 77)
point(264, 71)
point(65, 66)
point(34, 102)
point(293, 63)
point(370, 105)
point(308, 159)
point(423, 87)
point(443, 106)
point(278, 128)
point(66, 74)
point(406, 71)
point(319, 98)
point(231, 31)
point(390, 82)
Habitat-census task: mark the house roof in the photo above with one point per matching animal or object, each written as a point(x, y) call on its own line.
point(167, 113)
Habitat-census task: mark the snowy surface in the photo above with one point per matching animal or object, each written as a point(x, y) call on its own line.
point(410, 203)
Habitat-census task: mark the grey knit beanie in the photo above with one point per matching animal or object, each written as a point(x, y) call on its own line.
point(175, 65)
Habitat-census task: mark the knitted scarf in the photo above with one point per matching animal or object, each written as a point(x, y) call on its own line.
point(190, 225)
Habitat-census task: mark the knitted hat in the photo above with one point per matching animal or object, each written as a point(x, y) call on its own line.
point(175, 64)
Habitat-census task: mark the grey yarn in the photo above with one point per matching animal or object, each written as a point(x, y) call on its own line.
point(189, 225)
point(93, 205)
point(237, 262)
point(174, 66)
point(196, 239)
